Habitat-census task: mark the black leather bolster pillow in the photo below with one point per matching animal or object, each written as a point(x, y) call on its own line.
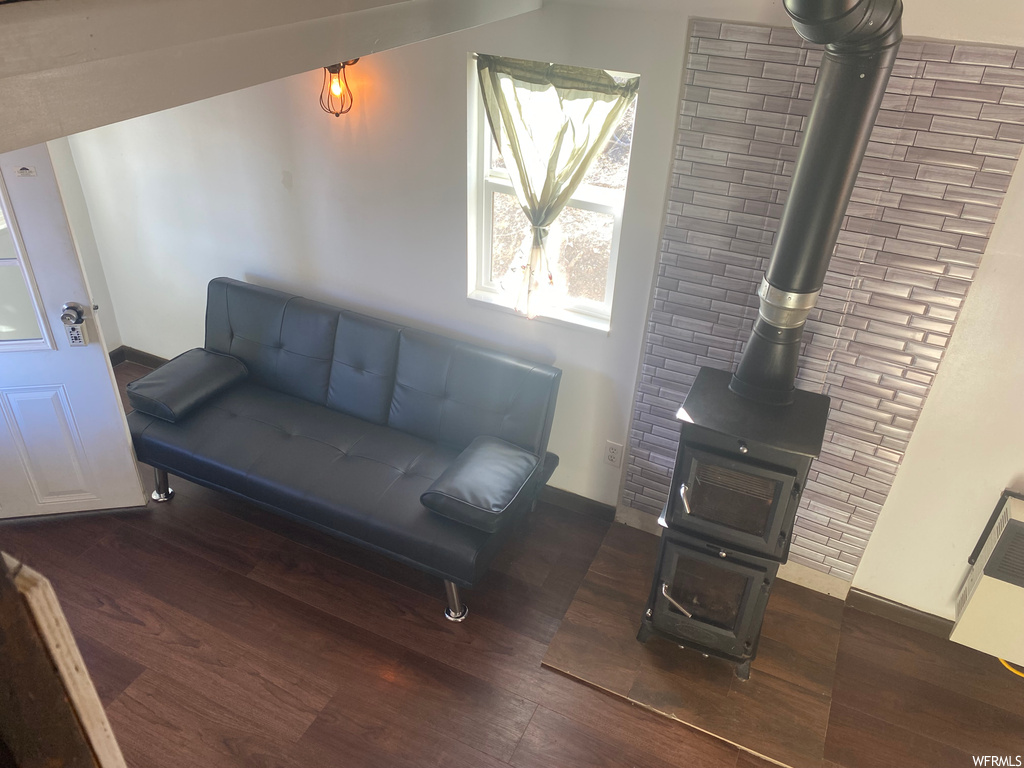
point(181, 384)
point(483, 481)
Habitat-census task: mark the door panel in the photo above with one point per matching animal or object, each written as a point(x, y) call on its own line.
point(48, 443)
point(64, 443)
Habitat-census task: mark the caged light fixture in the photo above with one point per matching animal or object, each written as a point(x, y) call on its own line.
point(335, 95)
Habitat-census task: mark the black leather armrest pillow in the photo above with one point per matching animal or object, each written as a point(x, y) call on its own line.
point(483, 481)
point(181, 384)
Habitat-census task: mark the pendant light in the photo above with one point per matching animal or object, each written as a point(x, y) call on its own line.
point(335, 95)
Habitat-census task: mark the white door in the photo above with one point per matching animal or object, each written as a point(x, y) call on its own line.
point(64, 443)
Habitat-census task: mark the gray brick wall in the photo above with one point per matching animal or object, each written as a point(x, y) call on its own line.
point(931, 185)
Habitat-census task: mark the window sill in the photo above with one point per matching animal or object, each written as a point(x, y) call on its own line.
point(557, 317)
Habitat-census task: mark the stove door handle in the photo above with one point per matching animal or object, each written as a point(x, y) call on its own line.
point(686, 502)
point(675, 604)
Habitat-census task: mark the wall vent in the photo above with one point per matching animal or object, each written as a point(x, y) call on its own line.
point(1007, 561)
point(990, 605)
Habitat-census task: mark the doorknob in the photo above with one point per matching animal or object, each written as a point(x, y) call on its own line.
point(72, 314)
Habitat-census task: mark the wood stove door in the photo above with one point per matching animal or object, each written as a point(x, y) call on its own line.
point(725, 598)
point(742, 503)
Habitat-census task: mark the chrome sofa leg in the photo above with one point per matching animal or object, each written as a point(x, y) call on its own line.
point(456, 610)
point(163, 491)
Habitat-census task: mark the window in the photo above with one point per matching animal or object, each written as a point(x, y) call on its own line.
point(583, 244)
point(20, 320)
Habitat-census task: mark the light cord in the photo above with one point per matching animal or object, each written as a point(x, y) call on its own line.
point(1010, 667)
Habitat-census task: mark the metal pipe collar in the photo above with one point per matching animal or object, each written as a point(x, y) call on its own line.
point(784, 309)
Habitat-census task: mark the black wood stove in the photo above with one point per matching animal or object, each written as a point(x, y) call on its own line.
point(747, 439)
point(739, 473)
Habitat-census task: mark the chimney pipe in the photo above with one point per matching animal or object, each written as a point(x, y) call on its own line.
point(861, 38)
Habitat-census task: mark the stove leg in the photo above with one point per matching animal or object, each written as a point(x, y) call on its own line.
point(743, 670)
point(456, 610)
point(163, 491)
point(644, 634)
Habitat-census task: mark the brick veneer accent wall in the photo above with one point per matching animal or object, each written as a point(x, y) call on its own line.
point(940, 159)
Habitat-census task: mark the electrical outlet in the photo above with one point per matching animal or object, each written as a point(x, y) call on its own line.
point(613, 454)
point(76, 335)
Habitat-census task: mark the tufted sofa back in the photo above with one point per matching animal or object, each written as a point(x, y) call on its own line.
point(422, 383)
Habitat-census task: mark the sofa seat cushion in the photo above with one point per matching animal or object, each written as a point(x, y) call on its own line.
point(359, 480)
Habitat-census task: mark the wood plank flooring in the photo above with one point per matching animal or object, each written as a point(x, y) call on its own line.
point(216, 641)
point(219, 635)
point(920, 700)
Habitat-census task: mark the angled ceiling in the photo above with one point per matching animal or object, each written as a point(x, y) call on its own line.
point(72, 65)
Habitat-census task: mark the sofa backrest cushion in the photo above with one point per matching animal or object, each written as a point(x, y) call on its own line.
point(451, 392)
point(363, 369)
point(286, 342)
point(431, 386)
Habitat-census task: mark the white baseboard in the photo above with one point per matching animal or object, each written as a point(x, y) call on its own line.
point(792, 572)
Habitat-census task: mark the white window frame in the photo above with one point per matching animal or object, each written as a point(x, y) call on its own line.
point(484, 180)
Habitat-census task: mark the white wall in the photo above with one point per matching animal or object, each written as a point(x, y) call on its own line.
point(369, 210)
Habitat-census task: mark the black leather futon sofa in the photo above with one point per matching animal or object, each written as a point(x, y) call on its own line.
point(415, 445)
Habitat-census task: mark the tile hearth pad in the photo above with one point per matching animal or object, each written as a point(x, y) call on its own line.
point(780, 713)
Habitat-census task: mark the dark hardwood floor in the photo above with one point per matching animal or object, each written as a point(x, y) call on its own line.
point(831, 685)
point(221, 635)
point(919, 700)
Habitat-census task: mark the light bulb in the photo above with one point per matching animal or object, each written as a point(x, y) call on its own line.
point(335, 85)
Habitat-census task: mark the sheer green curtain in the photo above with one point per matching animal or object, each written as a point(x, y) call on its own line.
point(549, 122)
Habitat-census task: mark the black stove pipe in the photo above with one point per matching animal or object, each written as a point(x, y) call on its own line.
point(861, 38)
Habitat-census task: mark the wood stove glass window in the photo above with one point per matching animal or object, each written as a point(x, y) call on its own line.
point(710, 598)
point(740, 501)
point(711, 593)
point(735, 499)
